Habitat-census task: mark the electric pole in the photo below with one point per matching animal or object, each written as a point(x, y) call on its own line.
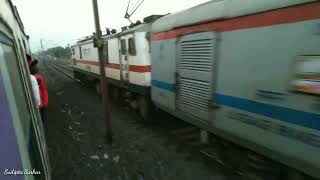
point(103, 81)
point(42, 50)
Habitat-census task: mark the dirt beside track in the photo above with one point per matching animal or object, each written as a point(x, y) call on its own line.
point(75, 133)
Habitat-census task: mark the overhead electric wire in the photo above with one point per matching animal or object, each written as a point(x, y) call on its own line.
point(135, 7)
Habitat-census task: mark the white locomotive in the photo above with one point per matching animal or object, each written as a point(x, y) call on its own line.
point(128, 64)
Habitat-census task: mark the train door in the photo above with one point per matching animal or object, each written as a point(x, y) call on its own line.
point(124, 56)
point(195, 73)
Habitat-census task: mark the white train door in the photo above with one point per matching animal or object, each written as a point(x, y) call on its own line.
point(124, 57)
point(195, 73)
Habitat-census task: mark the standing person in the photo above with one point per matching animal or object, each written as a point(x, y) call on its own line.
point(42, 86)
point(33, 143)
point(34, 84)
point(35, 88)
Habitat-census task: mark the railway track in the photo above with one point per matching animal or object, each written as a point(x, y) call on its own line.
point(67, 71)
point(242, 163)
point(190, 137)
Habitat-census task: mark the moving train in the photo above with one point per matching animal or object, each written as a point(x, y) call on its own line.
point(247, 72)
point(23, 152)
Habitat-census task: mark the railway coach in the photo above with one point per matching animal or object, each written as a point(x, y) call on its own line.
point(23, 153)
point(247, 71)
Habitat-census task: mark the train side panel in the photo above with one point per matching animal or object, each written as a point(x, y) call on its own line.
point(86, 57)
point(140, 63)
point(113, 70)
point(14, 131)
point(251, 97)
point(21, 127)
point(129, 60)
point(255, 91)
point(164, 73)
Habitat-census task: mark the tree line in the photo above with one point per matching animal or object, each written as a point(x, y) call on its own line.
point(59, 52)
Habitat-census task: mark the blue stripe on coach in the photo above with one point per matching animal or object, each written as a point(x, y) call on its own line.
point(293, 116)
point(163, 85)
point(301, 118)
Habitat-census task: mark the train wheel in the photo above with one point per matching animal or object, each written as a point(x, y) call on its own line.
point(145, 108)
point(97, 87)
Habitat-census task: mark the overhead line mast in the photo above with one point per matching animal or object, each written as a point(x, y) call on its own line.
point(103, 81)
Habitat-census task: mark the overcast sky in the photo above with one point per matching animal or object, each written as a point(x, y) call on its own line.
point(60, 22)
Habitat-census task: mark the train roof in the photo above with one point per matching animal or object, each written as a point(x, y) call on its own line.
point(144, 27)
point(219, 9)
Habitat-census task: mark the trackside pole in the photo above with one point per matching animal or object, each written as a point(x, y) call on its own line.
point(103, 82)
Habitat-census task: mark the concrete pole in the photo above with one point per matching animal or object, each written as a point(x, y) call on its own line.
point(42, 49)
point(103, 81)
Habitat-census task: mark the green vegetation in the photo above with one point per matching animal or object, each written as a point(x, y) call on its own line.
point(59, 52)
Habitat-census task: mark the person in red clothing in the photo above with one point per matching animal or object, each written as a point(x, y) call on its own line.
point(44, 99)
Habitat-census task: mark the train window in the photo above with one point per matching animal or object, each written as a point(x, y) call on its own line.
point(307, 75)
point(132, 47)
point(80, 52)
point(123, 47)
point(73, 51)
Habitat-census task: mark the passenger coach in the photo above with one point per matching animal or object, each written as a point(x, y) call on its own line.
point(23, 152)
point(247, 71)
